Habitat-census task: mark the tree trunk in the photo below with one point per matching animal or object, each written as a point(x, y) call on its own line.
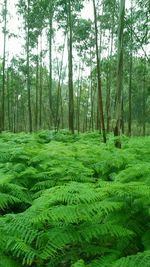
point(28, 69)
point(100, 103)
point(144, 99)
point(41, 84)
point(8, 101)
point(130, 77)
point(108, 100)
point(3, 68)
point(117, 129)
point(50, 60)
point(37, 90)
point(59, 89)
point(70, 71)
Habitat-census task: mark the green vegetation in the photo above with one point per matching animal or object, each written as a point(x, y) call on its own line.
point(66, 200)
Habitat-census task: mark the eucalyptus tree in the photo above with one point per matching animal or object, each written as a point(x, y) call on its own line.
point(34, 14)
point(117, 129)
point(66, 15)
point(70, 67)
point(50, 33)
point(4, 14)
point(108, 24)
point(83, 43)
point(24, 8)
point(99, 75)
point(60, 71)
point(130, 71)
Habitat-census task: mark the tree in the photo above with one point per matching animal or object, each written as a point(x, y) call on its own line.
point(50, 38)
point(130, 73)
point(28, 63)
point(117, 129)
point(99, 76)
point(2, 119)
point(70, 68)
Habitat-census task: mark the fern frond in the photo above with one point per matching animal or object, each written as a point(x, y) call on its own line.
point(139, 260)
point(17, 191)
point(139, 171)
point(133, 189)
point(20, 249)
point(97, 230)
point(6, 200)
point(72, 193)
point(46, 184)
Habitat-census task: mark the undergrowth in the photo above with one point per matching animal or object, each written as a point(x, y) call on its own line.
point(72, 201)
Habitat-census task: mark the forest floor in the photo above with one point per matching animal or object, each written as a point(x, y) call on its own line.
point(73, 201)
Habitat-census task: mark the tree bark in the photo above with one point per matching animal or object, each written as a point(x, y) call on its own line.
point(50, 60)
point(3, 69)
point(28, 69)
point(70, 71)
point(130, 76)
point(117, 129)
point(100, 101)
point(41, 83)
point(37, 90)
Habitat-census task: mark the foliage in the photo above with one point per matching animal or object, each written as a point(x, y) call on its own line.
point(69, 201)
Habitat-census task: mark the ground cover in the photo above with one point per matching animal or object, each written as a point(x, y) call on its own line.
point(73, 201)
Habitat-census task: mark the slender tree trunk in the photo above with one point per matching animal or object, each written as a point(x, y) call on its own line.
point(37, 90)
point(59, 87)
point(86, 112)
point(50, 60)
point(79, 104)
point(70, 72)
point(99, 76)
point(79, 91)
point(117, 128)
point(62, 114)
point(8, 100)
point(122, 116)
point(92, 106)
point(41, 83)
point(11, 100)
point(91, 126)
point(144, 99)
point(130, 97)
point(3, 68)
point(108, 100)
point(28, 69)
point(130, 76)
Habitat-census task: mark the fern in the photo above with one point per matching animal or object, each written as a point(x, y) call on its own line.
point(139, 171)
point(141, 259)
point(6, 200)
point(70, 201)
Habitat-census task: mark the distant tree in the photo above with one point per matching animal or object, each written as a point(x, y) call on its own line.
point(100, 101)
point(70, 67)
point(117, 129)
point(2, 118)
